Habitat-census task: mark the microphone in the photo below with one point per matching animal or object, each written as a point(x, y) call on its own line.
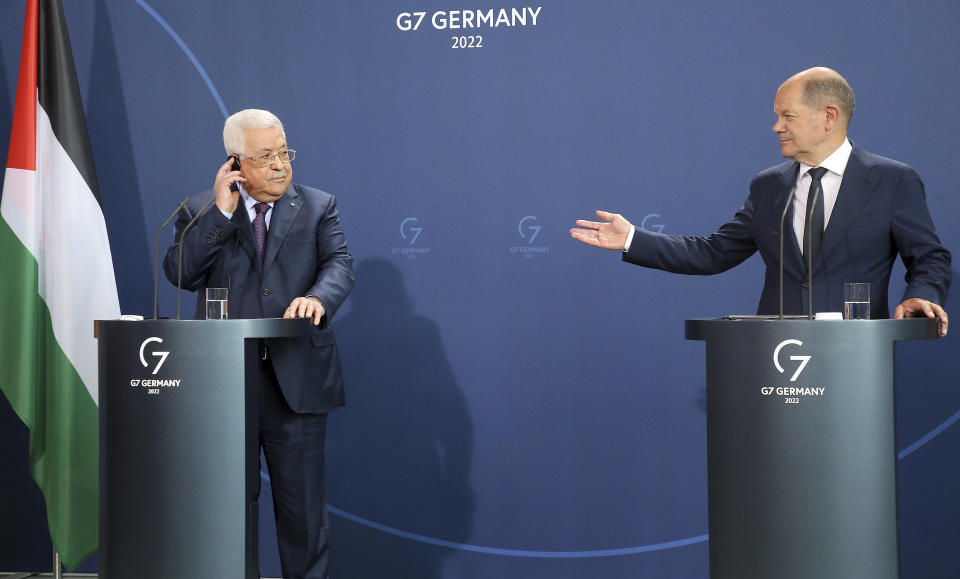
point(786, 209)
point(156, 254)
point(811, 206)
point(183, 235)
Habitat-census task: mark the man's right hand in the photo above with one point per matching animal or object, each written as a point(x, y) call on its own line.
point(610, 233)
point(227, 200)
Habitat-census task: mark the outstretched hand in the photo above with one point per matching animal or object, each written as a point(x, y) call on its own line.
point(919, 308)
point(608, 233)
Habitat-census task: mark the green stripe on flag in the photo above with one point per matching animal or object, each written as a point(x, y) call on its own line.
point(46, 392)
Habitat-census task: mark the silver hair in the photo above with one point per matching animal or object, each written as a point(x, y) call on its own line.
point(246, 120)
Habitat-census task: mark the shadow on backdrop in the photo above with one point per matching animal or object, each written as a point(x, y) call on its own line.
point(400, 452)
point(109, 128)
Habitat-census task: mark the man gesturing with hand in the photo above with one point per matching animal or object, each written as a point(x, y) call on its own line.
point(865, 210)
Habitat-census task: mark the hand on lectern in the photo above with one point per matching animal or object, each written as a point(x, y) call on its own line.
point(306, 307)
point(609, 233)
point(919, 308)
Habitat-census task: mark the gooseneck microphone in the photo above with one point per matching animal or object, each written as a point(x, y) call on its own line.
point(156, 254)
point(811, 207)
point(183, 236)
point(786, 209)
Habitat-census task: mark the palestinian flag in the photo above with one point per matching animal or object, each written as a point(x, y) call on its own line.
point(56, 277)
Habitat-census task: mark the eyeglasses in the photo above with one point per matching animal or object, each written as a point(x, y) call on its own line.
point(265, 159)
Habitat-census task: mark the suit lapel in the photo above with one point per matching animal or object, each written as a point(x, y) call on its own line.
point(855, 191)
point(285, 210)
point(245, 232)
point(787, 180)
point(792, 257)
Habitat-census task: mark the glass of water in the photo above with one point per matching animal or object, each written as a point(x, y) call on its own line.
point(856, 301)
point(217, 303)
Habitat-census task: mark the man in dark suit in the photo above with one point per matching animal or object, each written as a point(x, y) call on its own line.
point(864, 210)
point(279, 249)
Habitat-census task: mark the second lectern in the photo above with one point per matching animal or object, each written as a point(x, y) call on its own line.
point(801, 456)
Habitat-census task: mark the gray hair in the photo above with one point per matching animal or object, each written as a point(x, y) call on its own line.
point(246, 120)
point(821, 89)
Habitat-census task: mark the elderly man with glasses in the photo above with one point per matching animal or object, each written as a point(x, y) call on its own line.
point(279, 248)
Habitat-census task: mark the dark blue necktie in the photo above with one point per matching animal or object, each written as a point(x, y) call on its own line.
point(813, 221)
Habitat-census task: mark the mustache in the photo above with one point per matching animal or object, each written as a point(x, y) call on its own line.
point(277, 175)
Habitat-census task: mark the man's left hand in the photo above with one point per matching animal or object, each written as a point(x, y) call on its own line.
point(305, 307)
point(918, 308)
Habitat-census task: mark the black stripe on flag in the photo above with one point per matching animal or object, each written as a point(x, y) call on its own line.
point(59, 93)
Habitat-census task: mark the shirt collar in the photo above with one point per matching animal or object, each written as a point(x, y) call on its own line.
point(249, 201)
point(836, 163)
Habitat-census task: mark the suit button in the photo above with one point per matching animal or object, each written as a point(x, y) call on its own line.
point(806, 285)
point(266, 292)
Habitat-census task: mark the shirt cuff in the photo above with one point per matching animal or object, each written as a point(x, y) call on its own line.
point(626, 244)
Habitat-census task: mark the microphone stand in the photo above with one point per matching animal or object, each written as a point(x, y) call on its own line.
point(811, 206)
point(783, 217)
point(183, 235)
point(156, 254)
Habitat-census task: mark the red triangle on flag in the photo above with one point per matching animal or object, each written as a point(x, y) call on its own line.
point(23, 135)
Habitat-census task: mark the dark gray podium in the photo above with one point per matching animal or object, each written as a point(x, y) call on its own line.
point(801, 456)
point(179, 457)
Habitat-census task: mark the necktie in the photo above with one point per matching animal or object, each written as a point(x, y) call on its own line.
point(813, 222)
point(260, 225)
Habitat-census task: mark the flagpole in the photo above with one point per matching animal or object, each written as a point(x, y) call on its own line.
point(57, 567)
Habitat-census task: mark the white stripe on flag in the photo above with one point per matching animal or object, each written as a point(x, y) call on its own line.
point(73, 253)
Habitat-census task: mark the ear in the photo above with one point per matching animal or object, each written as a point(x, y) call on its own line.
point(832, 116)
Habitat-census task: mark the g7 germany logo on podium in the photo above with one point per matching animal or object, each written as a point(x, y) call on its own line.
point(161, 355)
point(802, 359)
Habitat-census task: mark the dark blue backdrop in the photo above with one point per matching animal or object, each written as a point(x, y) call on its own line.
point(519, 405)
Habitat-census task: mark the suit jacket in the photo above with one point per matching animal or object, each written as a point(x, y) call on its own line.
point(880, 211)
point(305, 254)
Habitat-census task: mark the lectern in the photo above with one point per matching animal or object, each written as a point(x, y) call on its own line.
point(179, 457)
point(801, 456)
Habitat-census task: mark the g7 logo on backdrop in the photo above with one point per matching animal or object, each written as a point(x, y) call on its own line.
point(161, 355)
point(802, 359)
point(529, 231)
point(533, 229)
point(658, 227)
point(407, 229)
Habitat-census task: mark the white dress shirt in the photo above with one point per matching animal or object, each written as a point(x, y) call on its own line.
point(249, 202)
point(835, 165)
